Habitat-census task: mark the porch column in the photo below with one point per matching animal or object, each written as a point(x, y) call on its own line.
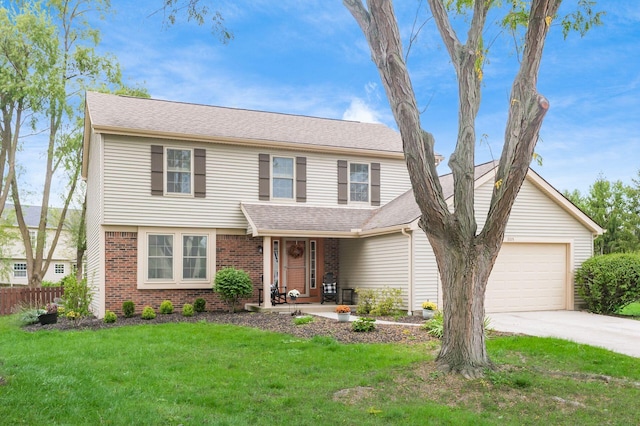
point(266, 271)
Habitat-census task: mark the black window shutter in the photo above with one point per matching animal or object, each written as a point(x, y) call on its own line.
point(200, 173)
point(301, 179)
point(375, 184)
point(343, 182)
point(264, 163)
point(157, 165)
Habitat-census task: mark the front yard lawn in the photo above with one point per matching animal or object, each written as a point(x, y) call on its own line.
point(632, 310)
point(204, 373)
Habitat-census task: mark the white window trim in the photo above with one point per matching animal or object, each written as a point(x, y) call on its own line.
point(177, 282)
point(165, 170)
point(361, 203)
point(55, 267)
point(20, 270)
point(293, 178)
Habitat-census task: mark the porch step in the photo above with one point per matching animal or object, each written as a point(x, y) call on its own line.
point(305, 308)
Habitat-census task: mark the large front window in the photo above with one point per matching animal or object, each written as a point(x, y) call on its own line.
point(160, 261)
point(176, 258)
point(194, 257)
point(359, 182)
point(282, 177)
point(179, 173)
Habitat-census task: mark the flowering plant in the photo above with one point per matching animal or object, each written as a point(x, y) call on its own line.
point(429, 306)
point(343, 309)
point(51, 308)
point(293, 293)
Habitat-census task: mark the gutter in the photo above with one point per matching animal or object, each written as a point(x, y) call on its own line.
point(410, 271)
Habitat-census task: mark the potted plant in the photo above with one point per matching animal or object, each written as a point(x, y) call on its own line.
point(429, 309)
point(343, 313)
point(293, 294)
point(50, 314)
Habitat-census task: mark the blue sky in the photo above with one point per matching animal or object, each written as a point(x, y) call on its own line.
point(310, 58)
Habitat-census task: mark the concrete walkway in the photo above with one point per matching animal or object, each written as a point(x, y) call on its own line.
point(352, 317)
point(616, 334)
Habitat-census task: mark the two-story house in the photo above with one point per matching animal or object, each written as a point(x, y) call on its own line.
point(177, 191)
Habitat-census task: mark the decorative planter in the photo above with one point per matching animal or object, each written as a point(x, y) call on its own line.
point(48, 318)
point(428, 314)
point(343, 317)
point(293, 298)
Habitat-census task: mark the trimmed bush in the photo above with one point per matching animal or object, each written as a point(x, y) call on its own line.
point(609, 282)
point(200, 305)
point(187, 310)
point(148, 313)
point(109, 317)
point(232, 285)
point(77, 295)
point(128, 308)
point(166, 307)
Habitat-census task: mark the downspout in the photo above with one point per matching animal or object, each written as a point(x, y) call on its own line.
point(410, 271)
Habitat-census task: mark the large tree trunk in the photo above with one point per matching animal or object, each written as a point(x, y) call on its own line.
point(465, 257)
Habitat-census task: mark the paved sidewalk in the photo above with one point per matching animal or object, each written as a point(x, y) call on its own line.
point(620, 335)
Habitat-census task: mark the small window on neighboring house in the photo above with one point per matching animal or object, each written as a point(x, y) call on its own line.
point(33, 236)
point(194, 257)
point(282, 177)
point(179, 172)
point(19, 270)
point(359, 182)
point(58, 268)
point(160, 261)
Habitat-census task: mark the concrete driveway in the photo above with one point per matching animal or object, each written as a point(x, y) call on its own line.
point(616, 334)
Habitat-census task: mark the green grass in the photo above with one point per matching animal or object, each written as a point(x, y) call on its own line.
point(195, 374)
point(632, 309)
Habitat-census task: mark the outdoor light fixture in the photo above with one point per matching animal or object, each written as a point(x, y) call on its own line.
point(260, 249)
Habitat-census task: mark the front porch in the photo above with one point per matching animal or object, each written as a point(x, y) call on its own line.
point(305, 308)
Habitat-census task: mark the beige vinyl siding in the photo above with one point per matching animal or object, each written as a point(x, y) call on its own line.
point(375, 262)
point(95, 235)
point(536, 218)
point(425, 271)
point(232, 177)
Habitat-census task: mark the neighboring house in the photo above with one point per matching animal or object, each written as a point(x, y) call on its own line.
point(176, 191)
point(15, 261)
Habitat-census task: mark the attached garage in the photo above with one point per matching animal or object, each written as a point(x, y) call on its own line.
point(529, 277)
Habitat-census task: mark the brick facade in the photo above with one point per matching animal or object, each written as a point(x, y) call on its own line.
point(121, 271)
point(331, 256)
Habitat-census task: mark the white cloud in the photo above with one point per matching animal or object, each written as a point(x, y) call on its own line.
point(359, 111)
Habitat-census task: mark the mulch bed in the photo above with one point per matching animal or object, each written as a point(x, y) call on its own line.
point(280, 323)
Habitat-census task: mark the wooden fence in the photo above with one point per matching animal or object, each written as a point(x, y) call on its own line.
point(11, 297)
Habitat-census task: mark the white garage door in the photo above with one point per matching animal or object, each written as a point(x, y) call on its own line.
point(528, 277)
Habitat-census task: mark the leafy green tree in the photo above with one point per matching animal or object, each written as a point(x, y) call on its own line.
point(465, 255)
point(68, 64)
point(232, 285)
point(615, 207)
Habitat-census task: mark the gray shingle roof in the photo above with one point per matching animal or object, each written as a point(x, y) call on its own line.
point(113, 112)
point(32, 215)
point(306, 219)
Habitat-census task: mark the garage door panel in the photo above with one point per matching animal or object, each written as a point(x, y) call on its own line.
point(528, 277)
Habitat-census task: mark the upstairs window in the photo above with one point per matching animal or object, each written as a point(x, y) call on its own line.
point(282, 177)
point(359, 182)
point(179, 173)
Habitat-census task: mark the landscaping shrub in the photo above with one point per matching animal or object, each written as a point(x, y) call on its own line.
point(232, 285)
point(609, 282)
point(199, 305)
point(303, 320)
point(77, 295)
point(187, 310)
point(364, 324)
point(166, 307)
point(46, 283)
point(128, 308)
point(435, 326)
point(109, 317)
point(148, 313)
point(384, 302)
